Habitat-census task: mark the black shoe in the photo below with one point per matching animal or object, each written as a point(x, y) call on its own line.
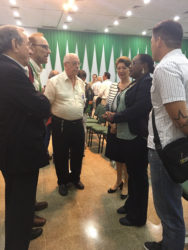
point(41, 205)
point(123, 196)
point(35, 233)
point(153, 245)
point(122, 210)
point(63, 189)
point(38, 221)
point(79, 185)
point(125, 222)
point(110, 190)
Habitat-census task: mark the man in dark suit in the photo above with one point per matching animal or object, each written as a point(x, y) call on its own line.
point(22, 152)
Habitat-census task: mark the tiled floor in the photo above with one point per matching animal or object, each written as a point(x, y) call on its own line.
point(87, 219)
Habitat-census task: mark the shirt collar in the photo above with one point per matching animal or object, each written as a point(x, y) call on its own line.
point(172, 52)
point(67, 78)
point(16, 62)
point(37, 68)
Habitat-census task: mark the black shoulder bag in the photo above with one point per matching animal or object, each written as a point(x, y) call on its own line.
point(174, 155)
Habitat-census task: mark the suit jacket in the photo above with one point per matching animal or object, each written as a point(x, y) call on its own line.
point(138, 105)
point(22, 110)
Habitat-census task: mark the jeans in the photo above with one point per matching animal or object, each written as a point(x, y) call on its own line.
point(167, 200)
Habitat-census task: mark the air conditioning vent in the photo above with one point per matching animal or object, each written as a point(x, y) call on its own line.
point(137, 6)
point(185, 12)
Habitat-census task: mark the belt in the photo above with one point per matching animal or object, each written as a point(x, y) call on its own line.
point(67, 121)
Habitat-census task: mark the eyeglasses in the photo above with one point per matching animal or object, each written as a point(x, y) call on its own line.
point(44, 46)
point(75, 63)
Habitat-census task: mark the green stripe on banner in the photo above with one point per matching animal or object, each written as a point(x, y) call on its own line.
point(119, 43)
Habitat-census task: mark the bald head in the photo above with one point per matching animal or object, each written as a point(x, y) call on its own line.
point(71, 64)
point(40, 48)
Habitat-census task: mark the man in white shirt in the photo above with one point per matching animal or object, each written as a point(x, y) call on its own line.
point(105, 87)
point(169, 100)
point(66, 93)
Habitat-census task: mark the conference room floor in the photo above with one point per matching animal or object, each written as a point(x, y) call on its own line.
point(87, 219)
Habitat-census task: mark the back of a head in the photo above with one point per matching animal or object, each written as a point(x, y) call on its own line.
point(98, 101)
point(7, 34)
point(145, 58)
point(107, 75)
point(82, 74)
point(171, 33)
point(53, 73)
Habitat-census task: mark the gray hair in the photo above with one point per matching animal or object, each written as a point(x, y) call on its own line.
point(68, 57)
point(7, 34)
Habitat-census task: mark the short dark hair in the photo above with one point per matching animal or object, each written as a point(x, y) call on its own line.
point(81, 74)
point(144, 58)
point(123, 59)
point(171, 33)
point(7, 34)
point(107, 74)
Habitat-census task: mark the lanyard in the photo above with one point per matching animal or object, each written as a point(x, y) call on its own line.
point(37, 76)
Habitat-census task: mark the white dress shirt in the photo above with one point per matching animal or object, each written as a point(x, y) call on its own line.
point(67, 101)
point(95, 87)
point(104, 89)
point(170, 84)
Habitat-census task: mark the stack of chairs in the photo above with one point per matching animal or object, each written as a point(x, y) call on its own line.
point(94, 127)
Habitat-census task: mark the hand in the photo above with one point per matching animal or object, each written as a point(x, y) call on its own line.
point(110, 116)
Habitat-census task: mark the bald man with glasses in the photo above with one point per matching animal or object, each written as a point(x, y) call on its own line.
point(40, 52)
point(66, 93)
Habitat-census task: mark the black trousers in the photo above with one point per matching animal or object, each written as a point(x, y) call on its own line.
point(68, 143)
point(136, 159)
point(20, 196)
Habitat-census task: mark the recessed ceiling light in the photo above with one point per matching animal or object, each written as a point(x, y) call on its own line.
point(16, 13)
point(75, 7)
point(65, 27)
point(106, 30)
point(116, 22)
point(144, 33)
point(65, 7)
point(176, 18)
point(12, 2)
point(69, 18)
point(147, 1)
point(18, 22)
point(129, 13)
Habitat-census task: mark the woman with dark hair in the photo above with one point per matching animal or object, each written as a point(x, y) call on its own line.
point(131, 118)
point(112, 147)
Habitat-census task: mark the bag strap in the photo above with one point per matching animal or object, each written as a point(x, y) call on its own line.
point(156, 138)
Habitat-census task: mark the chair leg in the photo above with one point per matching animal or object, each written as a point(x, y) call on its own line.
point(99, 136)
point(102, 143)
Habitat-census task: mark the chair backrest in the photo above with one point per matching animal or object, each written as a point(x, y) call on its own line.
point(99, 112)
point(185, 190)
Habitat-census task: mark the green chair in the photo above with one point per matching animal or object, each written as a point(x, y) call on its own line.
point(185, 190)
point(99, 130)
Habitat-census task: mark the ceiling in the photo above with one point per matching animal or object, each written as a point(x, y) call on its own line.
point(96, 15)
